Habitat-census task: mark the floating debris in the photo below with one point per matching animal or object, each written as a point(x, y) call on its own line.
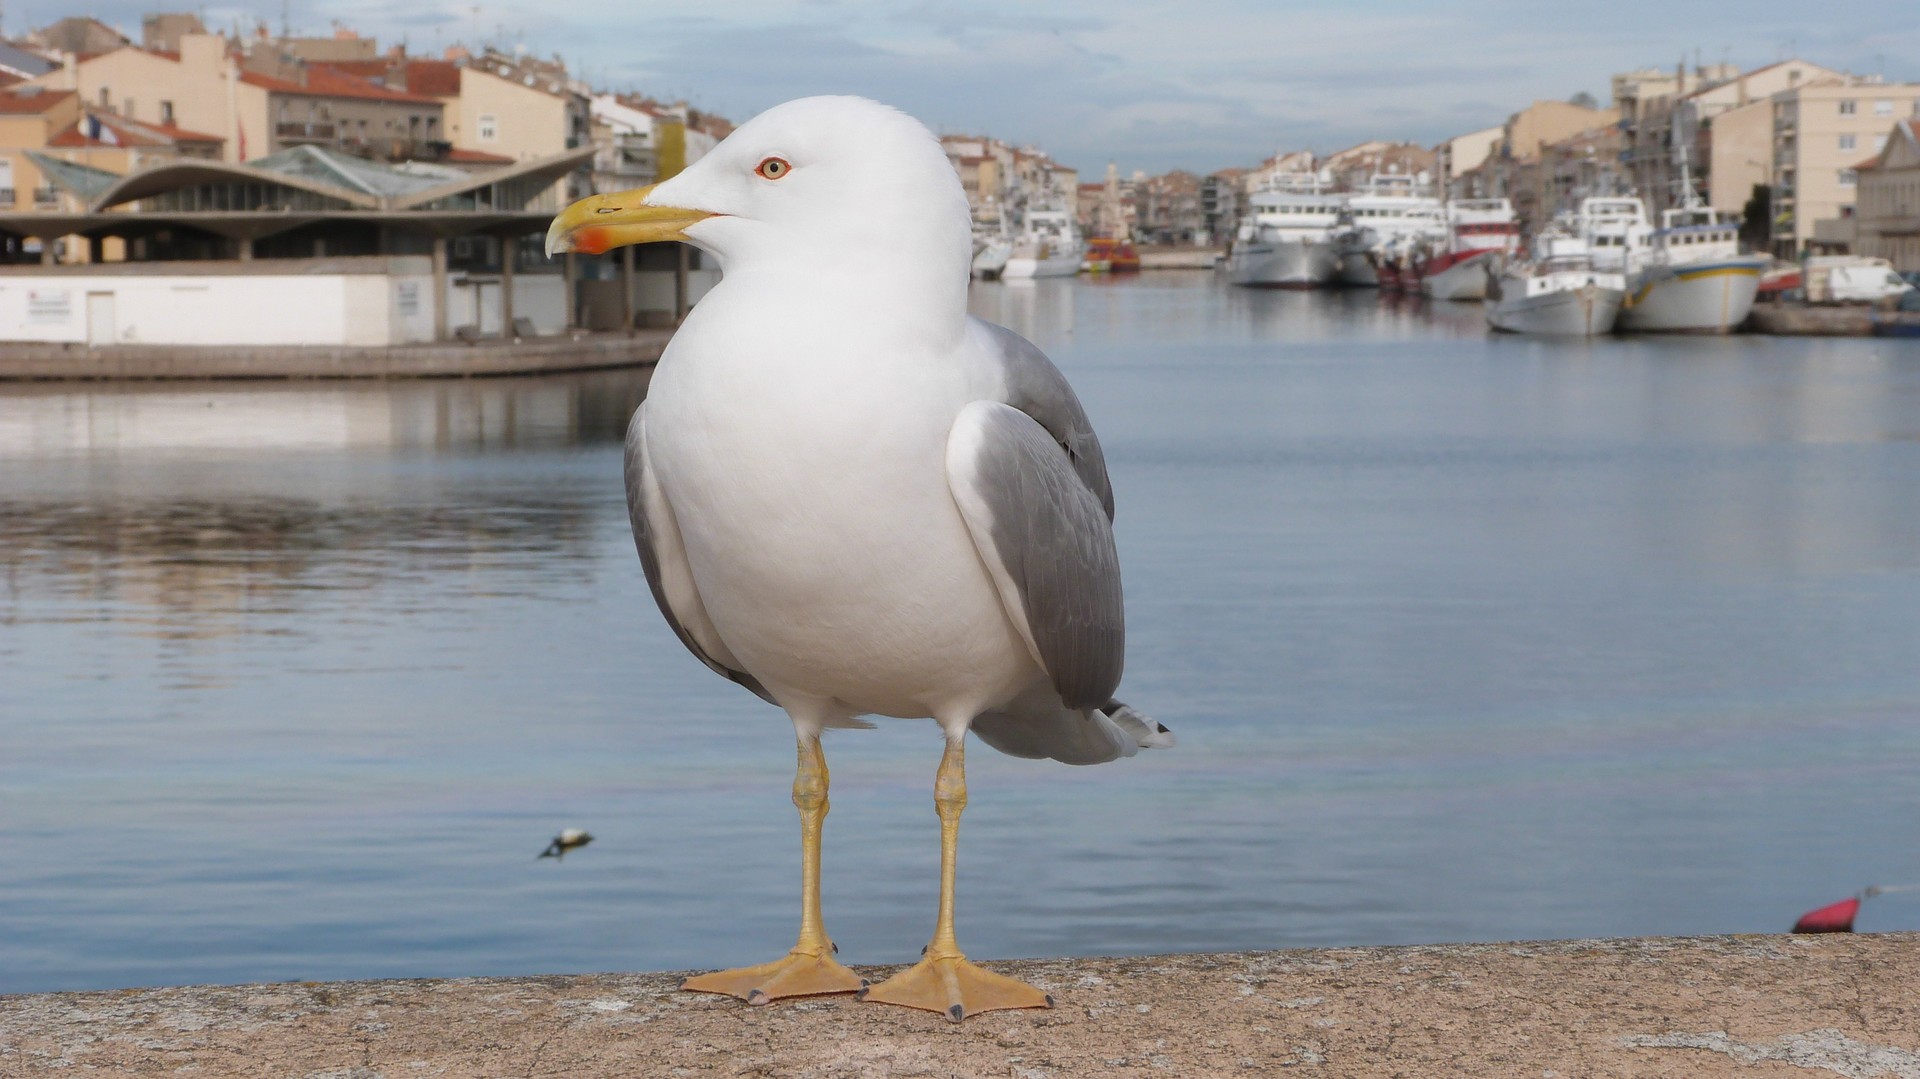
point(568, 839)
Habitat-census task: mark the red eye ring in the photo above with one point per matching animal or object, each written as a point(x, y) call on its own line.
point(773, 168)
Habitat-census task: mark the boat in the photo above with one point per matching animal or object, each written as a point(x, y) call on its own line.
point(1386, 222)
point(1480, 233)
point(1110, 256)
point(1049, 245)
point(1558, 293)
point(1285, 240)
point(990, 256)
point(1691, 277)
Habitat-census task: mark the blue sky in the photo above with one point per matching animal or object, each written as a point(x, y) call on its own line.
point(1152, 86)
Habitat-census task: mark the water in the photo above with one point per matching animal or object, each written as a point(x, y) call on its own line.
point(1464, 637)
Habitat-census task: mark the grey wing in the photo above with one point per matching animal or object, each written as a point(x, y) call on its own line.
point(1047, 541)
point(664, 558)
point(1036, 387)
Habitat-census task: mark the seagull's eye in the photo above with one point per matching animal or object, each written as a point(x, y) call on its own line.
point(773, 168)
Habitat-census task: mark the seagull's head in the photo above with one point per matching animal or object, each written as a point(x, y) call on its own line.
point(840, 176)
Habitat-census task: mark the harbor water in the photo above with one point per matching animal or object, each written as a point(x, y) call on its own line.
point(1465, 637)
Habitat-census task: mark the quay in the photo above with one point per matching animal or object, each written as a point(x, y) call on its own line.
point(1179, 258)
point(576, 351)
point(1705, 1006)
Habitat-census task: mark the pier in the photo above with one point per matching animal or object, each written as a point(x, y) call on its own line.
point(1703, 1006)
point(578, 351)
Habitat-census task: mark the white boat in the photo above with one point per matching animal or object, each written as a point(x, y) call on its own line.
point(1480, 234)
point(1049, 245)
point(1559, 293)
point(990, 256)
point(1613, 228)
point(1286, 238)
point(1387, 222)
point(1691, 276)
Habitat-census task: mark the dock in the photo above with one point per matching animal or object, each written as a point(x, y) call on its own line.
point(1704, 1006)
point(577, 351)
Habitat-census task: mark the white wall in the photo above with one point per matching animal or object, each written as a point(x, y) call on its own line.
point(367, 309)
point(540, 297)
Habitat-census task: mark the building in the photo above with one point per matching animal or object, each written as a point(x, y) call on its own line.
point(204, 87)
point(1886, 219)
point(1821, 132)
point(1527, 133)
point(1352, 169)
point(1169, 209)
point(1222, 200)
point(1462, 154)
point(81, 35)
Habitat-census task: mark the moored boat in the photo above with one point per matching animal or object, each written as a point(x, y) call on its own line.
point(1286, 238)
point(1112, 256)
point(1049, 245)
point(1558, 294)
point(1480, 233)
point(1385, 222)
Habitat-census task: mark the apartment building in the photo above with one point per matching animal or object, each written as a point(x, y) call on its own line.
point(1886, 217)
point(1821, 133)
point(204, 87)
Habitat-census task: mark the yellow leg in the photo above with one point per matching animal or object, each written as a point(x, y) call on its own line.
point(809, 969)
point(943, 981)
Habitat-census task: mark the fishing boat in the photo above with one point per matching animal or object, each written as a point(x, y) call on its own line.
point(1558, 293)
point(1388, 217)
point(1285, 240)
point(1480, 233)
point(1049, 245)
point(990, 255)
point(1692, 277)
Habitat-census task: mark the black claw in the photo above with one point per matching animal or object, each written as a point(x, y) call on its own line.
point(923, 949)
point(863, 984)
point(1049, 1000)
point(758, 997)
point(956, 1013)
point(835, 947)
point(862, 994)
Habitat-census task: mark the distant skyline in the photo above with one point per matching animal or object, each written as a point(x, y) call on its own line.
point(1214, 85)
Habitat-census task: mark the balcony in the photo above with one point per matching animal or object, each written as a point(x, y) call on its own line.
point(288, 131)
point(6, 197)
point(46, 198)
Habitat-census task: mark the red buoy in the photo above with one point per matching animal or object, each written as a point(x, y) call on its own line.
point(1832, 918)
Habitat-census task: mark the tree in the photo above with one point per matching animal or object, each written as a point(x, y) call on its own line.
point(1584, 100)
point(1756, 226)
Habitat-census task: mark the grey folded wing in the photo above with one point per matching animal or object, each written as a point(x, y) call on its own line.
point(1047, 540)
point(664, 558)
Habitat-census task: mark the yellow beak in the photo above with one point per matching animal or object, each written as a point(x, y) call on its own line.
point(600, 223)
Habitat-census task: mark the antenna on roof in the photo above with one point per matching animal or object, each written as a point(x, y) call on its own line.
point(286, 19)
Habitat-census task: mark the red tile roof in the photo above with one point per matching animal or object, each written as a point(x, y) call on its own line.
point(434, 78)
point(127, 133)
point(19, 104)
point(324, 81)
point(478, 157)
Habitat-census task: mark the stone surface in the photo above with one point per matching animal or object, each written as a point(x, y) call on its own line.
point(1757, 1006)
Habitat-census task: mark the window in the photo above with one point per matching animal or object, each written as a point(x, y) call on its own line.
point(1846, 142)
point(166, 113)
point(1847, 178)
point(106, 99)
point(1847, 107)
point(487, 129)
point(126, 108)
point(1883, 107)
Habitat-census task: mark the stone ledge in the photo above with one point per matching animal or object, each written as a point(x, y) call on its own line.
point(21, 361)
point(1751, 1006)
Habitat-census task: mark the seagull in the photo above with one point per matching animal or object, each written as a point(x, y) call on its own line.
point(568, 839)
point(854, 499)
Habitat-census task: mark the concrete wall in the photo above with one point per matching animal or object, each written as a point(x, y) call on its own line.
point(358, 302)
point(540, 297)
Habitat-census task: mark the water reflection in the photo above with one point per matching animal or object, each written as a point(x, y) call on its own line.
point(1466, 637)
point(41, 421)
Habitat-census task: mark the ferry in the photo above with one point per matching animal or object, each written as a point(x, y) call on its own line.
point(1286, 238)
point(1481, 235)
point(1110, 256)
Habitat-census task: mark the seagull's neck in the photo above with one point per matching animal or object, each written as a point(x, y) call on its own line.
point(902, 299)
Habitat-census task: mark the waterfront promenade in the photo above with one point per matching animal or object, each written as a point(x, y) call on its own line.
point(580, 351)
point(1753, 1006)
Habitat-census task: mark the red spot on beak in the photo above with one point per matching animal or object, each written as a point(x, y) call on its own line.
point(592, 241)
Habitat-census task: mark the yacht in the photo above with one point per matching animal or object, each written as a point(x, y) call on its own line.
point(1049, 245)
point(1561, 292)
point(1691, 276)
point(1383, 226)
point(1481, 234)
point(1285, 240)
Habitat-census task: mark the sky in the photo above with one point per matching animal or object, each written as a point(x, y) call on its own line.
point(1201, 85)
